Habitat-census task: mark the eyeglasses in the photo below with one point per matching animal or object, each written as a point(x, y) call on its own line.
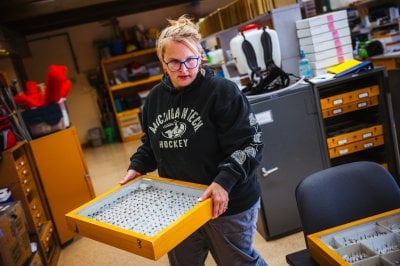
point(175, 65)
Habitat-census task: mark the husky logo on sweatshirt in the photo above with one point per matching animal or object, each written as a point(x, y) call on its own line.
point(174, 130)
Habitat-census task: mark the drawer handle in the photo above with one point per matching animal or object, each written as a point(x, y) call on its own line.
point(266, 172)
point(24, 172)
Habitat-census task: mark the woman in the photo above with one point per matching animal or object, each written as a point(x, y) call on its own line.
point(200, 128)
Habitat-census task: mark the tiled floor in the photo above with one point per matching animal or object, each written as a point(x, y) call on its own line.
point(107, 164)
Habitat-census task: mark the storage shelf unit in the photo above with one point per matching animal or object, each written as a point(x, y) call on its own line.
point(356, 121)
point(17, 171)
point(127, 117)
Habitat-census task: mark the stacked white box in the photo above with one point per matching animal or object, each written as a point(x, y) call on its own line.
point(325, 40)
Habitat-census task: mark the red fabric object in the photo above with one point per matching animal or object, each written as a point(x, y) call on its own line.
point(32, 97)
point(10, 139)
point(33, 91)
point(57, 85)
point(25, 100)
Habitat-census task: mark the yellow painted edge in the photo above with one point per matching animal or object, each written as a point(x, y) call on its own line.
point(316, 245)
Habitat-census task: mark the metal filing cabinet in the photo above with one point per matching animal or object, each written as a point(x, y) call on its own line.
point(294, 147)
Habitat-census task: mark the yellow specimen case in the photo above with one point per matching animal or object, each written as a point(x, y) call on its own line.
point(154, 246)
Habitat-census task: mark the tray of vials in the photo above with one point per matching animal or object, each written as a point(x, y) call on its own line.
point(149, 216)
point(371, 241)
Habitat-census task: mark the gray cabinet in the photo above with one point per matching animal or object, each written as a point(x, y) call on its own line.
point(294, 147)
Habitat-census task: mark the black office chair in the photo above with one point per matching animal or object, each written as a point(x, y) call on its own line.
point(342, 194)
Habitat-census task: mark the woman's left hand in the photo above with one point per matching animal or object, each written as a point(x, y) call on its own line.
point(219, 196)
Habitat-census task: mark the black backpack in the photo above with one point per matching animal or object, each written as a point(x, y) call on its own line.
point(273, 78)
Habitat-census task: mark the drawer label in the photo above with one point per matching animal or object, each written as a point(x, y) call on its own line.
point(337, 111)
point(368, 145)
point(338, 101)
point(362, 104)
point(264, 117)
point(367, 135)
point(363, 95)
point(343, 151)
point(342, 141)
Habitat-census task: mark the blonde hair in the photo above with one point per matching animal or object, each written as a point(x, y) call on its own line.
point(181, 30)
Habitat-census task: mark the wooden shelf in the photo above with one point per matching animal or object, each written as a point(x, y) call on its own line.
point(142, 81)
point(126, 56)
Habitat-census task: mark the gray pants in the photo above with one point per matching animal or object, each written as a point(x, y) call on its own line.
point(228, 238)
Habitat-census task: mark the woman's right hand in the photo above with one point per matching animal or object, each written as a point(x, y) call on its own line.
point(131, 174)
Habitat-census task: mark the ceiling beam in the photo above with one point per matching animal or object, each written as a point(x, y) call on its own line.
point(85, 14)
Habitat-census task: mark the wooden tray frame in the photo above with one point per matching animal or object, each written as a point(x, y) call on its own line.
point(153, 247)
point(323, 254)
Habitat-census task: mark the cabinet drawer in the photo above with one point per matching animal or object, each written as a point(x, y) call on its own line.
point(356, 146)
point(24, 172)
point(21, 162)
point(37, 213)
point(348, 97)
point(350, 137)
point(46, 236)
point(350, 107)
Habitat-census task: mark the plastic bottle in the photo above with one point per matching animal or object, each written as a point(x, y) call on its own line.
point(305, 70)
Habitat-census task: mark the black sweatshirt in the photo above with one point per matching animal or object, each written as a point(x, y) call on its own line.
point(203, 133)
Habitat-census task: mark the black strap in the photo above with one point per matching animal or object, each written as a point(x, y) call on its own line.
point(267, 46)
point(251, 57)
point(273, 71)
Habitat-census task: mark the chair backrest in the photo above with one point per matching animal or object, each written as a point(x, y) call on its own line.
point(345, 193)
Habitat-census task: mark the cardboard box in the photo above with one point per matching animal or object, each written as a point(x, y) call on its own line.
point(323, 37)
point(148, 216)
point(336, 25)
point(329, 62)
point(129, 122)
point(321, 19)
point(15, 248)
point(323, 46)
point(336, 51)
